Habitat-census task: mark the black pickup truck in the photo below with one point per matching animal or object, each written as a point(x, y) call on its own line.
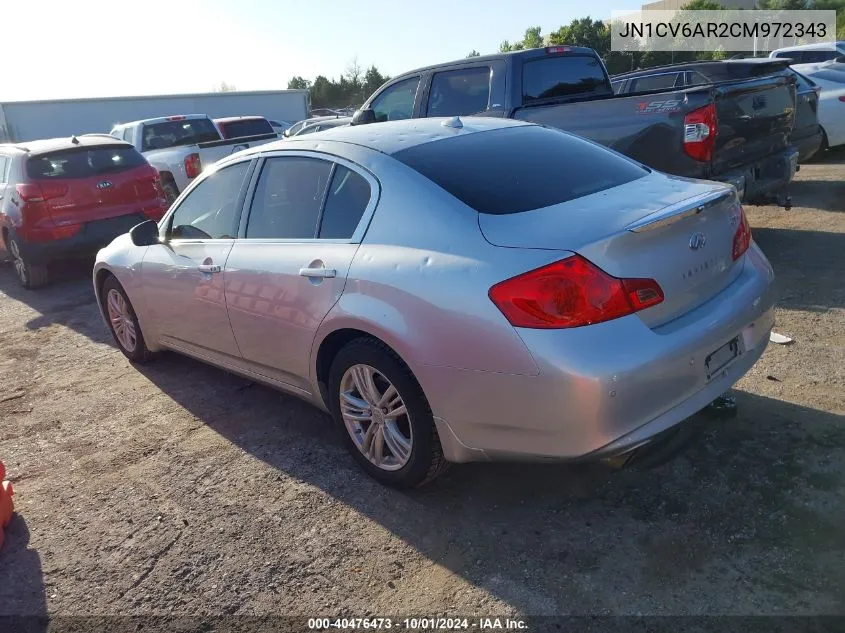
point(734, 131)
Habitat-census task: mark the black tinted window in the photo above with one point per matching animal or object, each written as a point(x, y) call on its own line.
point(655, 82)
point(83, 162)
point(520, 168)
point(249, 127)
point(397, 101)
point(288, 198)
point(178, 132)
point(562, 77)
point(459, 92)
point(347, 199)
point(210, 211)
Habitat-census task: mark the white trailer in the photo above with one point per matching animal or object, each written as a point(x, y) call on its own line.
point(30, 120)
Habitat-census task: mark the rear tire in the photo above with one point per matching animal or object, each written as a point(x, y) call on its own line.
point(123, 322)
point(410, 454)
point(29, 275)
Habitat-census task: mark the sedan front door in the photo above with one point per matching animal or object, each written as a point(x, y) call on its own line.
point(289, 266)
point(183, 277)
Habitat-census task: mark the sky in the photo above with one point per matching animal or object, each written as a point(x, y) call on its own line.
point(94, 48)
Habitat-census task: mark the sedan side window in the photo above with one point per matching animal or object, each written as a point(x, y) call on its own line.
point(288, 198)
point(397, 101)
point(349, 195)
point(210, 211)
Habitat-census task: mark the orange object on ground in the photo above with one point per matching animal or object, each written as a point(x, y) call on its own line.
point(6, 505)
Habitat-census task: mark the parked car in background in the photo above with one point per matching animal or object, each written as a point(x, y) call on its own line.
point(809, 54)
point(676, 130)
point(806, 135)
point(323, 125)
point(831, 86)
point(180, 146)
point(279, 126)
point(453, 289)
point(325, 112)
point(240, 126)
point(299, 125)
point(68, 197)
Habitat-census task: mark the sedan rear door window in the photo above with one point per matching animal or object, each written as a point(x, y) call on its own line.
point(348, 197)
point(288, 198)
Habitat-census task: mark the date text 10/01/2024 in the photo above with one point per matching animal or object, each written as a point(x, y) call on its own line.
point(417, 624)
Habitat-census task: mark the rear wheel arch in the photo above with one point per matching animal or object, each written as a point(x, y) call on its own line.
point(331, 345)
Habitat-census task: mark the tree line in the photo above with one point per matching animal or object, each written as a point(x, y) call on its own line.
point(355, 84)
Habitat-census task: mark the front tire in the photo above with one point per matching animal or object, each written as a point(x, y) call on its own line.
point(383, 415)
point(29, 275)
point(123, 322)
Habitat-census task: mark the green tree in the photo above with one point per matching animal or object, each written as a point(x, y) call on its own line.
point(584, 32)
point(532, 38)
point(702, 5)
point(298, 83)
point(473, 53)
point(373, 79)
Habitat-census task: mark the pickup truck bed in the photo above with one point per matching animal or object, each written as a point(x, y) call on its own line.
point(734, 131)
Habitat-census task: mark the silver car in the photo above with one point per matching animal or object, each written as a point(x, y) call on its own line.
point(453, 290)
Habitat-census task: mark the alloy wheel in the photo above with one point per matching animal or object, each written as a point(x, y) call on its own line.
point(121, 319)
point(375, 417)
point(20, 265)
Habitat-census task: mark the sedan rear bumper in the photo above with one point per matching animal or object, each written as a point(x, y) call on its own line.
point(606, 388)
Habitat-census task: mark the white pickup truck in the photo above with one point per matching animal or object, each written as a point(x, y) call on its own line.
point(180, 146)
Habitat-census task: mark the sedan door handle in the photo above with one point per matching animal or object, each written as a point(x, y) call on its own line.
point(318, 272)
point(209, 268)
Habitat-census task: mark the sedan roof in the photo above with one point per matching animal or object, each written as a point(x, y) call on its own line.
point(393, 136)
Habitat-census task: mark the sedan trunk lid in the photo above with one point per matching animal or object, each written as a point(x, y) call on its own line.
point(676, 231)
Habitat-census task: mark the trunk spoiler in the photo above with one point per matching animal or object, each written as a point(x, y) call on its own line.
point(680, 210)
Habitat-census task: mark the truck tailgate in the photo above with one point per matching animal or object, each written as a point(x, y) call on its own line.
point(648, 128)
point(754, 118)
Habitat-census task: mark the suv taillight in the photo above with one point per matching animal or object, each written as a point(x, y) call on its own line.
point(700, 129)
point(34, 192)
point(571, 293)
point(742, 237)
point(193, 166)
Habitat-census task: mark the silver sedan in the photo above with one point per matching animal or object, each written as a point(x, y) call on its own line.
point(453, 290)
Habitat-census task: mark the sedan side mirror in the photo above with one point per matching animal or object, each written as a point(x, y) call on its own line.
point(144, 234)
point(364, 116)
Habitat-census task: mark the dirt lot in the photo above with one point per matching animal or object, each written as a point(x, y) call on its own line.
point(177, 488)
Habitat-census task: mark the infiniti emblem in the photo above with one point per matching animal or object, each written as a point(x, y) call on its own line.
point(104, 185)
point(697, 240)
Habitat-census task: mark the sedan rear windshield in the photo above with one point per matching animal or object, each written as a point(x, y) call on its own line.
point(83, 162)
point(248, 127)
point(177, 133)
point(519, 168)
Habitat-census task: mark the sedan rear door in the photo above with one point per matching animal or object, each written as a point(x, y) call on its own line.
point(288, 268)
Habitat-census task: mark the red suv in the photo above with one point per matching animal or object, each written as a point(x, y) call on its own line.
point(69, 197)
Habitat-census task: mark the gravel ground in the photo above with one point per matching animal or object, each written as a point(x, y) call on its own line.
point(176, 488)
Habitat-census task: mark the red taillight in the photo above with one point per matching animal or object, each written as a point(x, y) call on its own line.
point(193, 166)
point(700, 131)
point(176, 118)
point(34, 192)
point(571, 293)
point(557, 50)
point(742, 237)
point(30, 192)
